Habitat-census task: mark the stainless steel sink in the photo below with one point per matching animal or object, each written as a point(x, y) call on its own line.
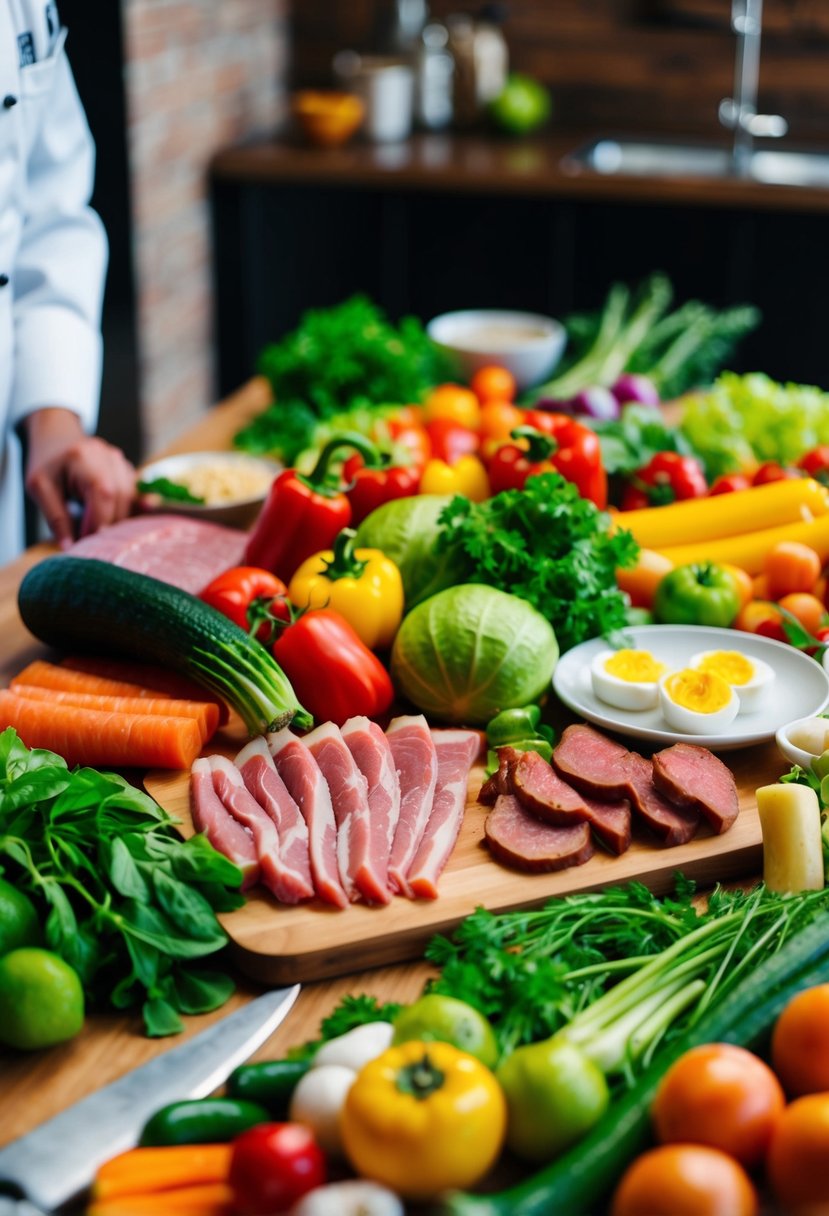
point(651, 158)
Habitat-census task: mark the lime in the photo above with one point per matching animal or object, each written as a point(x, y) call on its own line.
point(41, 999)
point(523, 105)
point(444, 1019)
point(18, 919)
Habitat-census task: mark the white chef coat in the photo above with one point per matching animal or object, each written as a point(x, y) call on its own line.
point(53, 249)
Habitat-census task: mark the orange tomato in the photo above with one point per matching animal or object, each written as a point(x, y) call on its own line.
point(640, 581)
point(743, 582)
point(455, 402)
point(499, 419)
point(798, 1162)
point(685, 1180)
point(808, 609)
point(493, 383)
point(800, 1043)
point(791, 566)
point(722, 1096)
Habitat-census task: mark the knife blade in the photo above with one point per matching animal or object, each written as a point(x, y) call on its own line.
point(57, 1161)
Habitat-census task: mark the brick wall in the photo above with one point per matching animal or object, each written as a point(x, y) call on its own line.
point(199, 74)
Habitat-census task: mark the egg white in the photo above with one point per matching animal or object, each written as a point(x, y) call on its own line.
point(621, 694)
point(692, 721)
point(753, 695)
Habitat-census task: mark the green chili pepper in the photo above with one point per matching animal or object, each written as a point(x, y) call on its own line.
point(201, 1121)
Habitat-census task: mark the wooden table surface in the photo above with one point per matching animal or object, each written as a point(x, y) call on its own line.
point(37, 1086)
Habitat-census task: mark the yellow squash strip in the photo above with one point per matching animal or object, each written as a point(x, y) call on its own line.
point(749, 551)
point(792, 849)
point(792, 500)
point(140, 1171)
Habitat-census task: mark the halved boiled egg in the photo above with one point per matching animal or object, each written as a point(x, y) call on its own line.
point(751, 679)
point(627, 679)
point(697, 702)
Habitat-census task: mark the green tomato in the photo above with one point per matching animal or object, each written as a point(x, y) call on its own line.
point(523, 105)
point(444, 1019)
point(697, 594)
point(554, 1093)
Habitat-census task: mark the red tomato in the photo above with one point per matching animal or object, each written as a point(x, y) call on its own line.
point(815, 463)
point(272, 1165)
point(791, 566)
point(798, 1157)
point(806, 608)
point(800, 1041)
point(685, 1180)
point(667, 477)
point(722, 1096)
point(493, 383)
point(248, 595)
point(728, 483)
point(772, 471)
point(761, 617)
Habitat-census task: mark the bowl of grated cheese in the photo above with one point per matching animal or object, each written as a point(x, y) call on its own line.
point(222, 487)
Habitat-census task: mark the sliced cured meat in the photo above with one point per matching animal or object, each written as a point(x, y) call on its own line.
point(540, 790)
point(259, 774)
point(610, 822)
point(307, 786)
point(673, 824)
point(456, 753)
point(694, 777)
point(592, 763)
point(188, 553)
point(500, 782)
point(356, 847)
point(211, 817)
point(240, 803)
point(415, 758)
point(373, 756)
point(521, 839)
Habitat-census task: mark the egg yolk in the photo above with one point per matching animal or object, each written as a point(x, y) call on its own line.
point(704, 692)
point(734, 667)
point(635, 666)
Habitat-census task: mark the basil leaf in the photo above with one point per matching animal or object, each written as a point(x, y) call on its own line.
point(161, 1019)
point(124, 873)
point(201, 991)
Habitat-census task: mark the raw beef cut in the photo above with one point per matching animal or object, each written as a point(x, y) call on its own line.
point(307, 786)
point(457, 751)
point(259, 774)
point(211, 817)
point(520, 839)
point(693, 776)
point(188, 553)
point(416, 761)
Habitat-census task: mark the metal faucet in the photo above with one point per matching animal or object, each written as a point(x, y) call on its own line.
point(739, 113)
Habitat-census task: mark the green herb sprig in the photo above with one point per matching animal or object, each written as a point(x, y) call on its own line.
point(126, 902)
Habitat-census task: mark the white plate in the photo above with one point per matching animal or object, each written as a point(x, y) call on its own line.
point(800, 690)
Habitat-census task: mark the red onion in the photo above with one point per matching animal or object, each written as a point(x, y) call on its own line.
point(630, 387)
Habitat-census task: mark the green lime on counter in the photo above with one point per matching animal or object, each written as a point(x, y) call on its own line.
point(523, 105)
point(41, 999)
point(444, 1019)
point(18, 919)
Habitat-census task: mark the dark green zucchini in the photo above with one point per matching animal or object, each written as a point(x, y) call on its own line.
point(87, 606)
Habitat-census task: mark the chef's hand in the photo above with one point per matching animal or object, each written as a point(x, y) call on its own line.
point(64, 465)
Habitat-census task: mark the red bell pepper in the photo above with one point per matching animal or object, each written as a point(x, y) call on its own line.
point(667, 477)
point(450, 440)
point(372, 485)
point(248, 595)
point(303, 513)
point(334, 675)
point(273, 1165)
point(551, 443)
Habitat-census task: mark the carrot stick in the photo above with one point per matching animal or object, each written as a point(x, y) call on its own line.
point(94, 738)
point(141, 1171)
point(50, 675)
point(205, 713)
point(147, 676)
point(211, 1199)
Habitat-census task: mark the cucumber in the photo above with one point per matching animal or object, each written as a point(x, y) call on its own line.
point(88, 606)
point(269, 1082)
point(201, 1121)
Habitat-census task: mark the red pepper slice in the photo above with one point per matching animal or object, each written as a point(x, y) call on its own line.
point(246, 594)
point(334, 675)
point(552, 442)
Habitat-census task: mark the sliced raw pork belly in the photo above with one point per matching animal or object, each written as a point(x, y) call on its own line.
point(259, 774)
point(540, 790)
point(307, 786)
point(519, 838)
point(416, 761)
point(457, 751)
point(211, 817)
point(693, 776)
point(189, 553)
point(373, 757)
point(357, 847)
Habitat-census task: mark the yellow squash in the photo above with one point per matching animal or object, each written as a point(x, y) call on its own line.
point(748, 551)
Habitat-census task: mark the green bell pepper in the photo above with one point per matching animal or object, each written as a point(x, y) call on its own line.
point(520, 729)
point(697, 594)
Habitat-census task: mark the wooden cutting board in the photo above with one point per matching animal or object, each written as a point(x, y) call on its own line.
point(277, 944)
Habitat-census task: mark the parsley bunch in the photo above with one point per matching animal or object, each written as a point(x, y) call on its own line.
point(548, 545)
point(126, 901)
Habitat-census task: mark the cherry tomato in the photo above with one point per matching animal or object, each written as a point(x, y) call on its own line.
point(760, 617)
point(808, 609)
point(815, 463)
point(799, 1156)
point(493, 383)
point(800, 1042)
point(743, 582)
point(272, 1165)
point(455, 402)
point(791, 566)
point(499, 419)
point(729, 483)
point(667, 477)
point(722, 1096)
point(685, 1180)
point(772, 471)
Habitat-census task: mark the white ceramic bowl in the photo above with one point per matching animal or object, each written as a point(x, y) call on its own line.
point(793, 753)
point(230, 498)
point(526, 343)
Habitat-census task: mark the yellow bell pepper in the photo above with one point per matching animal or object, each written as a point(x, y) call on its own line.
point(363, 585)
point(466, 476)
point(422, 1118)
